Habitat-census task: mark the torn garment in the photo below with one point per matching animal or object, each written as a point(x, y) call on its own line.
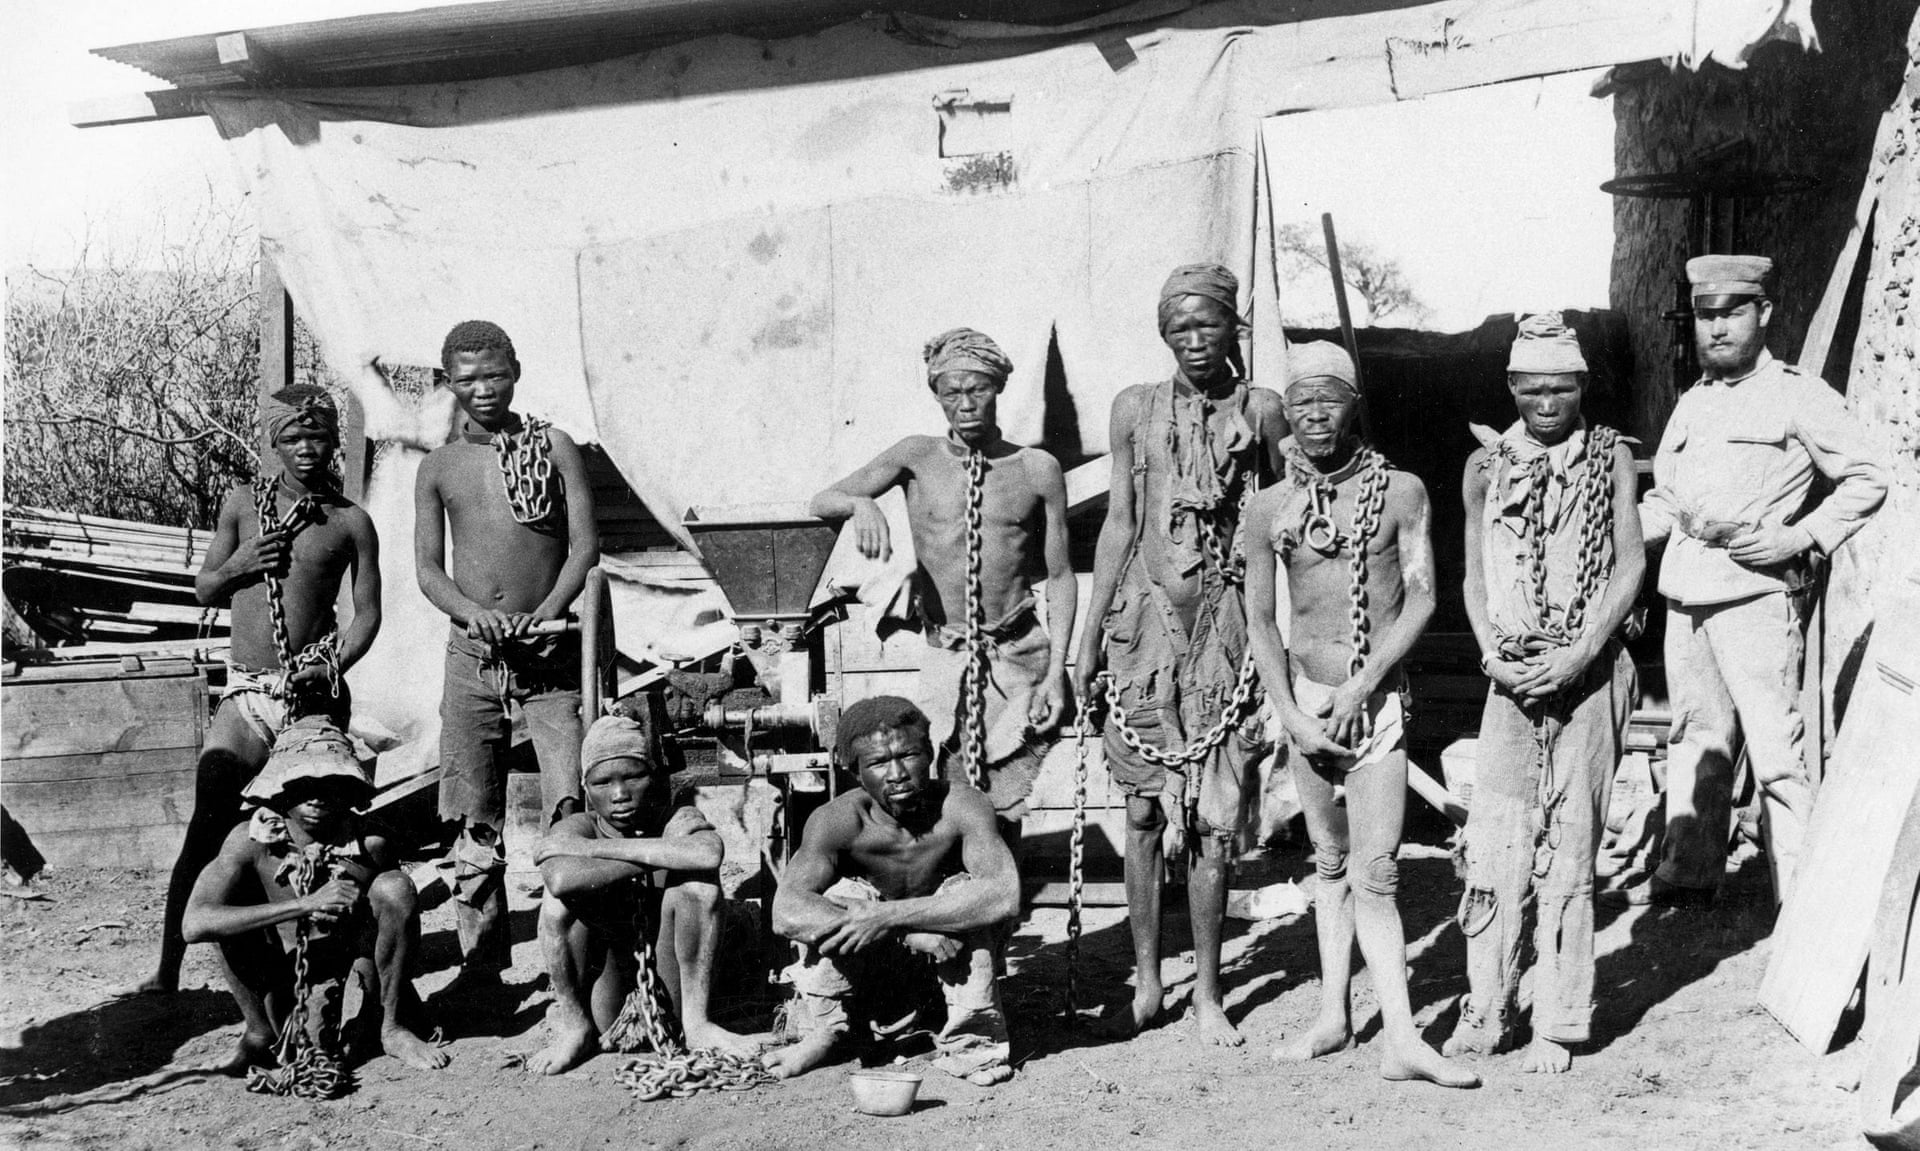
point(1019, 654)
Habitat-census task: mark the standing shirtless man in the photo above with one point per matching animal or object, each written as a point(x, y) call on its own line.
point(515, 495)
point(1023, 537)
point(314, 538)
point(1187, 452)
point(1351, 534)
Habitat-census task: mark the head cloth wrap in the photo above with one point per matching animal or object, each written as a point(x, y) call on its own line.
point(1547, 346)
point(1321, 359)
point(1209, 280)
point(301, 404)
point(309, 748)
point(618, 737)
point(965, 350)
point(880, 713)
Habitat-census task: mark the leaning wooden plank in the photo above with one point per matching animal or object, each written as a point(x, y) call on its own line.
point(1818, 343)
point(1825, 929)
point(1893, 1004)
point(395, 792)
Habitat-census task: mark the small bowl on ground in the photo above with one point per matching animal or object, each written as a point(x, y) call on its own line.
point(884, 1093)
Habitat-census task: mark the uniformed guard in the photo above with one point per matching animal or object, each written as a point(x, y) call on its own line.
point(1733, 500)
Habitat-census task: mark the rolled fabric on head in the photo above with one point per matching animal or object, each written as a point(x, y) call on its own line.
point(966, 350)
point(311, 748)
point(301, 404)
point(1211, 281)
point(1321, 359)
point(617, 737)
point(1546, 346)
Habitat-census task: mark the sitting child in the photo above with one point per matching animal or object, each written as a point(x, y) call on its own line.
point(304, 877)
point(633, 856)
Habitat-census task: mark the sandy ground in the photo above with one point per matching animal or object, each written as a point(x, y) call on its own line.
point(1683, 1057)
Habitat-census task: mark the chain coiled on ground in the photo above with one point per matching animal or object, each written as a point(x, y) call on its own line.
point(973, 684)
point(669, 1069)
point(323, 652)
point(526, 470)
point(308, 1069)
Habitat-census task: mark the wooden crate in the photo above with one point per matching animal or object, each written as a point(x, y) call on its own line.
point(97, 759)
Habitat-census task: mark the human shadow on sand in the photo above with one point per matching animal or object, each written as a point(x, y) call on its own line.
point(1673, 947)
point(110, 1052)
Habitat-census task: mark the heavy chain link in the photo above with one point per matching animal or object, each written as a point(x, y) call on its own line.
point(323, 652)
point(669, 1069)
point(1077, 857)
point(1317, 532)
point(309, 1069)
point(526, 470)
point(1594, 500)
point(1239, 704)
point(973, 684)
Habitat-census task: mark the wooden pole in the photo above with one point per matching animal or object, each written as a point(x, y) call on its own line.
point(1340, 299)
point(276, 346)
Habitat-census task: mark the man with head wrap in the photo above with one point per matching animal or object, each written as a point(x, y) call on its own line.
point(1554, 563)
point(309, 540)
point(1187, 453)
point(511, 495)
point(356, 908)
point(904, 879)
point(1349, 536)
point(638, 857)
point(1023, 535)
point(1736, 504)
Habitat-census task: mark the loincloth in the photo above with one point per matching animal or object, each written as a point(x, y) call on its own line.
point(1019, 655)
point(1386, 709)
point(251, 692)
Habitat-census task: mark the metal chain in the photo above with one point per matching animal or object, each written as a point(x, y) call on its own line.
point(323, 652)
point(1366, 523)
point(1238, 704)
point(1594, 496)
point(1076, 857)
point(669, 1069)
point(973, 683)
point(526, 470)
point(309, 1069)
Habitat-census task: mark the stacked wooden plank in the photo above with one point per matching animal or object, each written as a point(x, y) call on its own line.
point(109, 585)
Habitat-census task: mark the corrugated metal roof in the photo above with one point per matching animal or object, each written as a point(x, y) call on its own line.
point(503, 37)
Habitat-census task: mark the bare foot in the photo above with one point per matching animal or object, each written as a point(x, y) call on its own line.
point(571, 1046)
point(1215, 1027)
point(1327, 1037)
point(152, 985)
point(412, 1050)
point(713, 1037)
point(1471, 1038)
point(802, 1057)
point(991, 1076)
point(1413, 1059)
point(1142, 1013)
point(255, 1050)
point(1545, 1057)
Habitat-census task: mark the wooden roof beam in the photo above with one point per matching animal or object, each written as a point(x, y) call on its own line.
point(135, 108)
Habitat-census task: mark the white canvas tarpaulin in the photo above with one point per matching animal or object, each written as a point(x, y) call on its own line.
point(720, 259)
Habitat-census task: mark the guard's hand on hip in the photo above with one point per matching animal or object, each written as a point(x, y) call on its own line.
point(1765, 547)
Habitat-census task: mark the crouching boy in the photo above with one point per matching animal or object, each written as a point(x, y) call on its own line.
point(305, 865)
point(631, 859)
point(907, 868)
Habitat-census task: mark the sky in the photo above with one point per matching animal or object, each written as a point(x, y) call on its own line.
point(59, 184)
point(1489, 197)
